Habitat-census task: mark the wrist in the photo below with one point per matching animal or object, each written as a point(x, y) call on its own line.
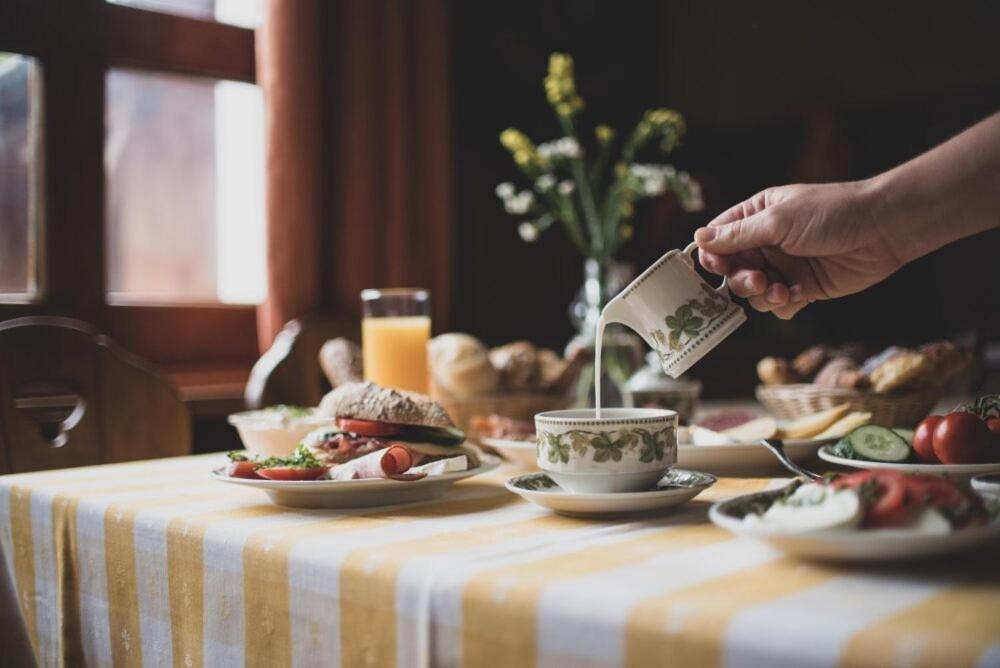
point(899, 218)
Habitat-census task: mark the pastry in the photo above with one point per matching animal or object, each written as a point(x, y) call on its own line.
point(460, 366)
point(517, 364)
point(841, 372)
point(776, 371)
point(808, 363)
point(905, 370)
point(341, 362)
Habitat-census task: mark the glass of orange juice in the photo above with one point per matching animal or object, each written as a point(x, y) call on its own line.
point(395, 328)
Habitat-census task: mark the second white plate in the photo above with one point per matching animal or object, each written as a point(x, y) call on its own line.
point(956, 471)
point(744, 458)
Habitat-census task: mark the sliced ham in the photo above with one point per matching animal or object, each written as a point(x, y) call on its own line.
point(392, 463)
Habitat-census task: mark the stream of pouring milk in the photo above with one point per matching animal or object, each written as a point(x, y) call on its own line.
point(597, 365)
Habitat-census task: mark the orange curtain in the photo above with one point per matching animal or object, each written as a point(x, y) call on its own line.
point(360, 182)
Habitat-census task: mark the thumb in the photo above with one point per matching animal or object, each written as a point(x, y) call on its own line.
point(760, 229)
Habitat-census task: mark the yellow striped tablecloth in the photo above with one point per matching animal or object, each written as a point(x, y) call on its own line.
point(153, 563)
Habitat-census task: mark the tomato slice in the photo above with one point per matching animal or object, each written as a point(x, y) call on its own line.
point(242, 469)
point(292, 473)
point(368, 427)
point(891, 506)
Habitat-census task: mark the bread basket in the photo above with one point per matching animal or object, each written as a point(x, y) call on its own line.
point(902, 409)
point(520, 406)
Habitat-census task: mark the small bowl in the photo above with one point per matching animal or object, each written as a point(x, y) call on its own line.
point(987, 484)
point(626, 450)
point(277, 430)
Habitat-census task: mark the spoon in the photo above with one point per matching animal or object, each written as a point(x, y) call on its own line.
point(777, 446)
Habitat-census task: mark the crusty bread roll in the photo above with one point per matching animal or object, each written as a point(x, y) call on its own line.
point(517, 364)
point(368, 401)
point(340, 360)
point(775, 371)
point(460, 365)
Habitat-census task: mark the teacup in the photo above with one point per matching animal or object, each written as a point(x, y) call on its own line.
point(679, 315)
point(626, 450)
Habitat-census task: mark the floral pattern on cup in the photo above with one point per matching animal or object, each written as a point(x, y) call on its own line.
point(689, 320)
point(605, 446)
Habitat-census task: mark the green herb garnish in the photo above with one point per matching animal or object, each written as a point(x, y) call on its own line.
point(238, 456)
point(302, 458)
point(289, 410)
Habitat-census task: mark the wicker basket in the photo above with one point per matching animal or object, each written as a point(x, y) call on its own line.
point(517, 406)
point(787, 402)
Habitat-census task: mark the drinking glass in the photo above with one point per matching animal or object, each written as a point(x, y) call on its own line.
point(395, 328)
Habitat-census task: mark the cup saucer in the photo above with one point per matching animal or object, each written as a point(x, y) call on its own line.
point(677, 486)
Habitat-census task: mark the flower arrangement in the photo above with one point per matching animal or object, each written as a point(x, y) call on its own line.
point(593, 197)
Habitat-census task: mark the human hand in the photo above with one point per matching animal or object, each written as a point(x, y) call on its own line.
point(788, 246)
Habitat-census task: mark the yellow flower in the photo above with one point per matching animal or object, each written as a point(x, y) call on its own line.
point(523, 149)
point(626, 232)
point(560, 86)
point(604, 134)
point(627, 209)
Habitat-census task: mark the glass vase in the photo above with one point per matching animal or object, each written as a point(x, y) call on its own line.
point(622, 349)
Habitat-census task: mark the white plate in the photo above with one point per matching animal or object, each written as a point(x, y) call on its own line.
point(676, 487)
point(357, 493)
point(961, 472)
point(744, 458)
point(519, 453)
point(852, 545)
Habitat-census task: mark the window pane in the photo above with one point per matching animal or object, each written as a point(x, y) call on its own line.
point(243, 13)
point(19, 126)
point(185, 189)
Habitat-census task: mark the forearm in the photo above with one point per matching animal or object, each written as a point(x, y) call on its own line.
point(948, 193)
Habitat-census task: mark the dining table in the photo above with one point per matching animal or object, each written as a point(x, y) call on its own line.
point(155, 563)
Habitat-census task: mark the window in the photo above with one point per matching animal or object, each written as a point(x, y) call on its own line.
point(243, 13)
point(19, 218)
point(145, 172)
point(184, 164)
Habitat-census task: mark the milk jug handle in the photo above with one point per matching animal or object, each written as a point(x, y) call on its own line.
point(723, 288)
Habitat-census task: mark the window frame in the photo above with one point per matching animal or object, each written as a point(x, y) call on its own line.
point(75, 44)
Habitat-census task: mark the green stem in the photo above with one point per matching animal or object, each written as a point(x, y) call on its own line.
point(586, 192)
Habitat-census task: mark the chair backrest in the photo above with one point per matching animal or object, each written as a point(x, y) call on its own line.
point(289, 372)
point(70, 397)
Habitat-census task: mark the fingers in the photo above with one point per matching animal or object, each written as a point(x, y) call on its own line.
point(756, 231)
point(747, 283)
point(717, 264)
point(742, 210)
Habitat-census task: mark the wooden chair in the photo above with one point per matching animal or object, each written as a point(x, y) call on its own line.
point(289, 372)
point(70, 397)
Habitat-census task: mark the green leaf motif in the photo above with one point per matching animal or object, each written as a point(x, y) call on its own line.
point(672, 323)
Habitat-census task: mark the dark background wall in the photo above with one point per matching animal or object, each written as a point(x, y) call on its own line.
point(774, 92)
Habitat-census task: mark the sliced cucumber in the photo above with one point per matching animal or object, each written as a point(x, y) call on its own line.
point(879, 444)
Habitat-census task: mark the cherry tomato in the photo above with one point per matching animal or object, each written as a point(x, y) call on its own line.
point(368, 427)
point(242, 469)
point(923, 440)
point(891, 506)
point(994, 426)
point(292, 473)
point(962, 438)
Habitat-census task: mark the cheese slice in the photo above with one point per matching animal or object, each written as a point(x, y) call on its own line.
point(754, 430)
point(845, 425)
point(808, 426)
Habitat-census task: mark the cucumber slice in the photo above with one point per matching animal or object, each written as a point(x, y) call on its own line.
point(879, 444)
point(907, 434)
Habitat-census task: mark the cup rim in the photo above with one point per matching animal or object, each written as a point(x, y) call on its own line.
point(609, 416)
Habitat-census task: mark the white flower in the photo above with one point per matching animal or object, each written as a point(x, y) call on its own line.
point(505, 190)
point(566, 188)
point(528, 231)
point(565, 147)
point(545, 183)
point(519, 204)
